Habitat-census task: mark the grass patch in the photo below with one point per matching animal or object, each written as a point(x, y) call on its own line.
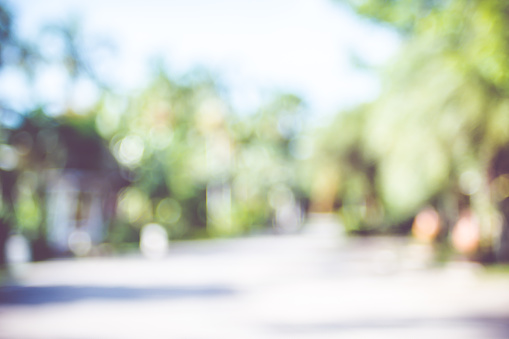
point(499, 269)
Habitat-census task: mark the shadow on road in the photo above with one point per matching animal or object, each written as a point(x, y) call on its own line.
point(37, 295)
point(497, 327)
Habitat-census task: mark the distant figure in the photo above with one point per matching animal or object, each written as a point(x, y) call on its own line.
point(426, 225)
point(79, 243)
point(17, 250)
point(466, 233)
point(17, 255)
point(154, 241)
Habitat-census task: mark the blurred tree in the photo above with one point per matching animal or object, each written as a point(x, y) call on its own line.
point(194, 167)
point(12, 52)
point(265, 183)
point(32, 142)
point(441, 120)
point(342, 174)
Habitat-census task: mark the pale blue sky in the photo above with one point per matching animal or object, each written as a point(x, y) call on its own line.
point(303, 46)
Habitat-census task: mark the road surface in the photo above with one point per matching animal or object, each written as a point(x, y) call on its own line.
point(313, 285)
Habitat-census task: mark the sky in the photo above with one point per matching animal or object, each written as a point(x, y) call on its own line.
point(257, 47)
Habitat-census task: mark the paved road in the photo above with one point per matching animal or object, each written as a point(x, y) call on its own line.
point(312, 285)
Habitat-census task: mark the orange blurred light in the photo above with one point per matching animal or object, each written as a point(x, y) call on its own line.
point(466, 234)
point(426, 225)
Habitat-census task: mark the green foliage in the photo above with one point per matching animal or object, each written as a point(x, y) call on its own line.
point(438, 130)
point(199, 169)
